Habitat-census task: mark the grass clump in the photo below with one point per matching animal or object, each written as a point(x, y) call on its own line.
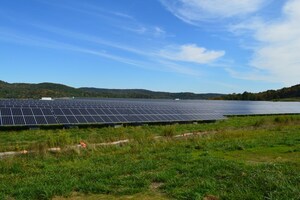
point(259, 122)
point(60, 139)
point(169, 131)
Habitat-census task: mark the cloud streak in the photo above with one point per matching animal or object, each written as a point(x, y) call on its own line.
point(196, 11)
point(116, 19)
point(151, 56)
point(191, 53)
point(91, 39)
point(155, 63)
point(275, 43)
point(278, 46)
point(156, 59)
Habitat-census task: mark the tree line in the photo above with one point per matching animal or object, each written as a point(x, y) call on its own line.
point(288, 93)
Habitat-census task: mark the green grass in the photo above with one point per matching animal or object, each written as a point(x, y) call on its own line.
point(239, 158)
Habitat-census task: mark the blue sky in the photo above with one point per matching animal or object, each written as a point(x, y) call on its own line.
point(198, 46)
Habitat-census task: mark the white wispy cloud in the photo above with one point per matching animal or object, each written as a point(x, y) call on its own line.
point(154, 61)
point(149, 57)
point(146, 30)
point(250, 74)
point(158, 31)
point(275, 43)
point(87, 8)
point(175, 67)
point(191, 53)
point(278, 46)
point(8, 35)
point(116, 19)
point(91, 38)
point(195, 11)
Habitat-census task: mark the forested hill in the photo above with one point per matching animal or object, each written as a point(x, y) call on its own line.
point(36, 91)
point(147, 94)
point(285, 94)
point(25, 90)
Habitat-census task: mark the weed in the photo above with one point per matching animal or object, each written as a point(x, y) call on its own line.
point(259, 122)
point(169, 131)
point(60, 139)
point(282, 119)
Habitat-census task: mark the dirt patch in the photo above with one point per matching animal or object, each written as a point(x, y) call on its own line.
point(210, 197)
point(195, 134)
point(155, 185)
point(144, 196)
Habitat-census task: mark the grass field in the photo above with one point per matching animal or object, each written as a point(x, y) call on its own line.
point(239, 158)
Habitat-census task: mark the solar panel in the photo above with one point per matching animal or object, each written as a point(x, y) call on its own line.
point(40, 120)
point(37, 111)
point(98, 119)
point(110, 111)
point(6, 112)
point(58, 111)
point(89, 119)
point(72, 119)
point(91, 111)
point(51, 120)
point(107, 119)
point(46, 111)
point(30, 120)
point(7, 120)
point(27, 111)
point(81, 119)
point(16, 111)
point(18, 120)
point(83, 111)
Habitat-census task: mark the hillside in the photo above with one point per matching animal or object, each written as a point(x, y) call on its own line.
point(36, 91)
point(284, 94)
point(147, 94)
point(25, 90)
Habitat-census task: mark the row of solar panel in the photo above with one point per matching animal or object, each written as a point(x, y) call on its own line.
point(35, 112)
point(133, 118)
point(77, 102)
point(91, 111)
point(137, 111)
point(86, 104)
point(93, 106)
point(155, 110)
point(259, 112)
point(25, 111)
point(70, 119)
point(27, 120)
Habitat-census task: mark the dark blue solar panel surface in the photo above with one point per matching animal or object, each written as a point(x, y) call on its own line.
point(115, 111)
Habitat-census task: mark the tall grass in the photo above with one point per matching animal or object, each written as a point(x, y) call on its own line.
point(169, 131)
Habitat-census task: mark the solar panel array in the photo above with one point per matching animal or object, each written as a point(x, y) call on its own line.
point(119, 111)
